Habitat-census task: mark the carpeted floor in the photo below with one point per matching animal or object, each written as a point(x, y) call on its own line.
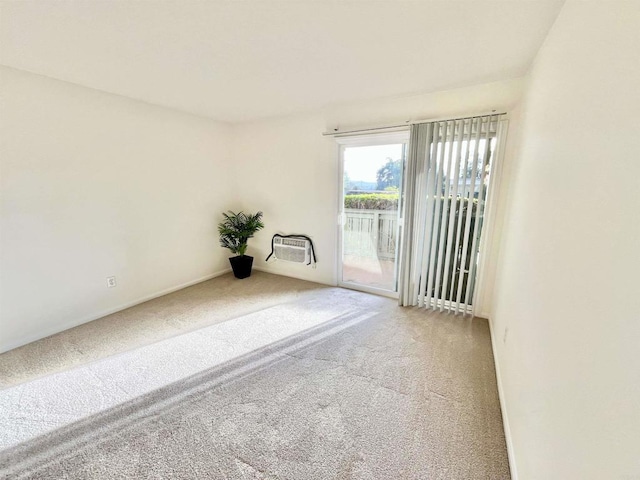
point(300, 381)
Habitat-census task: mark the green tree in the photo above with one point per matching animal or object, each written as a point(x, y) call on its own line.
point(389, 174)
point(347, 182)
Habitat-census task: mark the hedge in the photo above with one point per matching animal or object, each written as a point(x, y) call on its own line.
point(388, 201)
point(372, 201)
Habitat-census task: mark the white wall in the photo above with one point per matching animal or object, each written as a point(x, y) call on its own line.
point(95, 185)
point(286, 169)
point(566, 324)
point(290, 171)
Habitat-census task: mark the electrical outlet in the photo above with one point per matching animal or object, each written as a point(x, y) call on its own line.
point(111, 282)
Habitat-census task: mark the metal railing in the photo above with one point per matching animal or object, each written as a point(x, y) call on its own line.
point(370, 233)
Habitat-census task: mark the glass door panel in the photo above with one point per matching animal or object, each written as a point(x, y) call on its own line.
point(372, 184)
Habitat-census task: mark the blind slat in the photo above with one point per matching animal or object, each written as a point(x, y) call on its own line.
point(455, 271)
point(430, 170)
point(437, 217)
point(445, 213)
point(452, 212)
point(477, 228)
point(468, 215)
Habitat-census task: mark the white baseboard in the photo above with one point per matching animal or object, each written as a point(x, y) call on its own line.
point(5, 347)
point(503, 409)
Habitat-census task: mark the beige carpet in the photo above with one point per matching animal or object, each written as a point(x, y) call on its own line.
point(355, 388)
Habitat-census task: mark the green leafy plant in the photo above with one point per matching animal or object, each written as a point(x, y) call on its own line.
point(237, 228)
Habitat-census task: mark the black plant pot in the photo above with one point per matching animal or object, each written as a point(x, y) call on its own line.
point(241, 266)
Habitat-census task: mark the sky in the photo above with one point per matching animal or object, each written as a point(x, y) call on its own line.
point(362, 163)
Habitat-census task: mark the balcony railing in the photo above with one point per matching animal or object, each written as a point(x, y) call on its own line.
point(370, 233)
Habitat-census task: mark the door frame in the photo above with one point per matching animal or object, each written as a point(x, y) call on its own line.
point(367, 140)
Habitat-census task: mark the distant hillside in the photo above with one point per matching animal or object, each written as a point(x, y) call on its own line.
point(360, 185)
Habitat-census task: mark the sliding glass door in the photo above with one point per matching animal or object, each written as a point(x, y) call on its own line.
point(370, 203)
point(448, 176)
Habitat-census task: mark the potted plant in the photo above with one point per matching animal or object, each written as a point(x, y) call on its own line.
point(235, 231)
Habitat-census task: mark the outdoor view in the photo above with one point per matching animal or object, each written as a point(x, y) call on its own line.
point(372, 183)
point(372, 191)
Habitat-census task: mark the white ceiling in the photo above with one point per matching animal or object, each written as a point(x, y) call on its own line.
point(237, 60)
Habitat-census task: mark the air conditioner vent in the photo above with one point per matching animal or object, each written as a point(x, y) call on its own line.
point(296, 250)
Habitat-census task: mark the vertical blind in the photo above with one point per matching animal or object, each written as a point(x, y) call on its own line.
point(446, 185)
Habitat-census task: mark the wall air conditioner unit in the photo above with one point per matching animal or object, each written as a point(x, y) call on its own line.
point(297, 250)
